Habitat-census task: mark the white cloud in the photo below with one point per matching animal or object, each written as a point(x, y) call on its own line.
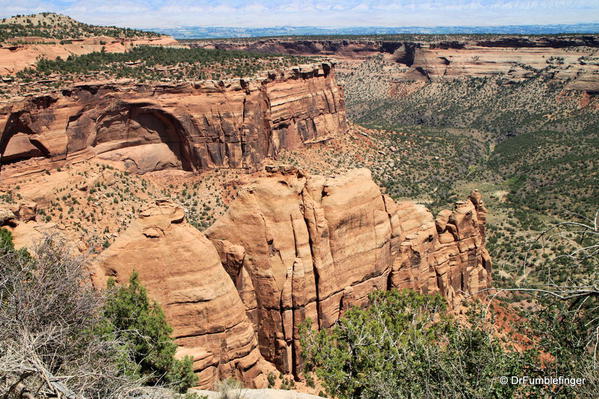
point(165, 13)
point(361, 7)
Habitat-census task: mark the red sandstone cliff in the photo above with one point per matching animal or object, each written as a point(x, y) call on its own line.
point(182, 271)
point(302, 247)
point(563, 58)
point(293, 247)
point(192, 126)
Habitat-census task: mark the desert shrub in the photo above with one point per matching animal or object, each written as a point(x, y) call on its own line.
point(406, 345)
point(271, 379)
point(140, 323)
point(48, 315)
point(6, 244)
point(229, 389)
point(568, 331)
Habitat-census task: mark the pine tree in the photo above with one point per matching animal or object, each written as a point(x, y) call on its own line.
point(141, 324)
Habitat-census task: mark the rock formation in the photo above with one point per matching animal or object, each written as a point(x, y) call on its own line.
point(308, 247)
point(564, 58)
point(191, 126)
point(182, 271)
point(292, 247)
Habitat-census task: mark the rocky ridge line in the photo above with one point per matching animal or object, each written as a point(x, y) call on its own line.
point(567, 58)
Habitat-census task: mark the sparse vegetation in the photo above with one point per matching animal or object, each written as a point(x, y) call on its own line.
point(55, 26)
point(60, 337)
point(82, 198)
point(500, 106)
point(154, 63)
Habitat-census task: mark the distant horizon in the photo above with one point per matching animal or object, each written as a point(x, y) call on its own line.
point(369, 26)
point(233, 32)
point(229, 32)
point(254, 14)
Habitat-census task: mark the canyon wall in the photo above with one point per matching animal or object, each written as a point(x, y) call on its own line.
point(293, 247)
point(193, 126)
point(567, 58)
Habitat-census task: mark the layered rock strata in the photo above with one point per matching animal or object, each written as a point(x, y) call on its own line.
point(571, 59)
point(194, 126)
point(182, 271)
point(293, 247)
point(308, 247)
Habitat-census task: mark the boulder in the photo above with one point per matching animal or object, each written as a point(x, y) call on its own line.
point(6, 216)
point(27, 211)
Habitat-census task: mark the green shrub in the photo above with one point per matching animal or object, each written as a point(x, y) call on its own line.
point(271, 379)
point(406, 345)
point(6, 241)
point(7, 245)
point(141, 324)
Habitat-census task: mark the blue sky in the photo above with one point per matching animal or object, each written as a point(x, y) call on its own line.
point(264, 13)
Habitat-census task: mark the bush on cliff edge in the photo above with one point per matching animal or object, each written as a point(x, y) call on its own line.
point(141, 325)
point(405, 345)
point(60, 337)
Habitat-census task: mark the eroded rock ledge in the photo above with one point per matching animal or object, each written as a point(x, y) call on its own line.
point(293, 247)
point(193, 126)
point(563, 58)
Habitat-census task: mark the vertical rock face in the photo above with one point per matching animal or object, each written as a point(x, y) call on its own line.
point(302, 247)
point(293, 247)
point(182, 271)
point(190, 126)
point(463, 57)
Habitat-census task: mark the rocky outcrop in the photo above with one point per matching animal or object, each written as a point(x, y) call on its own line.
point(309, 247)
point(194, 126)
point(7, 216)
point(292, 247)
point(182, 271)
point(21, 212)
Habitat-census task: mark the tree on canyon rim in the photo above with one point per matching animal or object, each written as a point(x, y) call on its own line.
point(406, 344)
